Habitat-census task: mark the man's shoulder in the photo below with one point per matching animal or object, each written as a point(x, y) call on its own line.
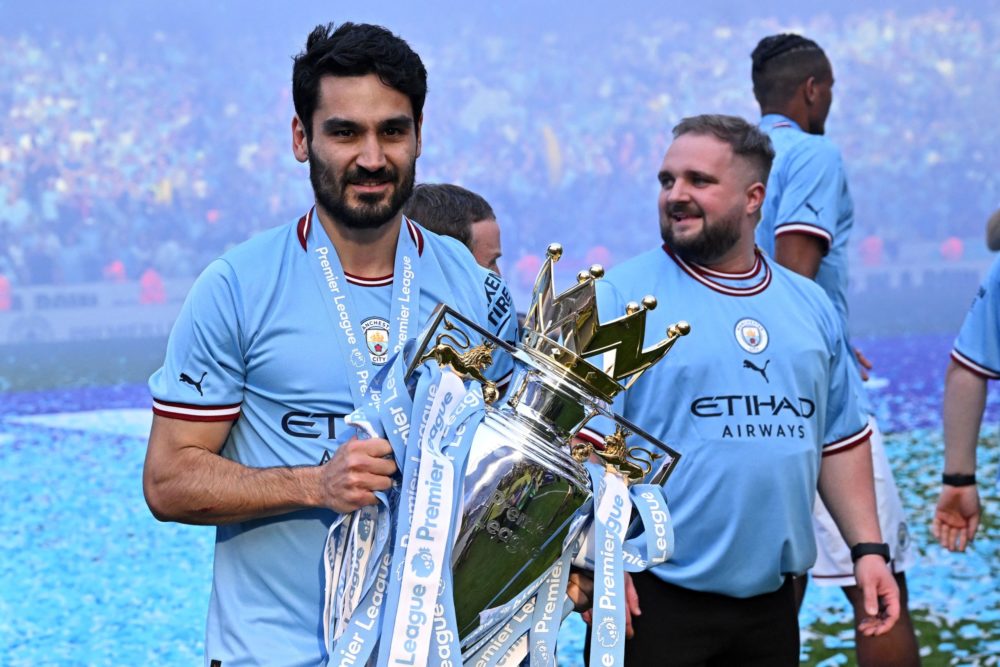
point(266, 246)
point(801, 289)
point(638, 268)
point(454, 258)
point(791, 142)
point(805, 147)
point(251, 267)
point(449, 250)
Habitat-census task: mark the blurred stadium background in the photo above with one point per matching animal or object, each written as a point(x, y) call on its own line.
point(140, 139)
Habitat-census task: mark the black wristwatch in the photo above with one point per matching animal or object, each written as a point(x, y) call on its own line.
point(870, 549)
point(958, 479)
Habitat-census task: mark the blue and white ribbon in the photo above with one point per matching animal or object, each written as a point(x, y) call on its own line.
point(611, 516)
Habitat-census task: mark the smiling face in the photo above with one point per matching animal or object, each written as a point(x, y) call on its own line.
point(363, 151)
point(707, 200)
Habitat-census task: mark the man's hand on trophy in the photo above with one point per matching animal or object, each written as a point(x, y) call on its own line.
point(580, 589)
point(352, 475)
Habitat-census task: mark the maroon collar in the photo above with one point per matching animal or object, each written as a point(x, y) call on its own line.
point(305, 225)
point(713, 279)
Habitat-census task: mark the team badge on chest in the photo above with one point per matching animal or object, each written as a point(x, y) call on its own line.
point(377, 337)
point(751, 335)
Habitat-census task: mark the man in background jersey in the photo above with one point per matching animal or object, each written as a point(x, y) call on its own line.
point(278, 340)
point(975, 359)
point(755, 398)
point(453, 211)
point(806, 224)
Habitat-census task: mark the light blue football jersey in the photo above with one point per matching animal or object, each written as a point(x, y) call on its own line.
point(807, 193)
point(977, 347)
point(761, 388)
point(254, 343)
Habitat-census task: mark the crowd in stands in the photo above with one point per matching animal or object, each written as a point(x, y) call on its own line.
point(125, 153)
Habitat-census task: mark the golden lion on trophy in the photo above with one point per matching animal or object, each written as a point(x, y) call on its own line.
point(624, 458)
point(468, 364)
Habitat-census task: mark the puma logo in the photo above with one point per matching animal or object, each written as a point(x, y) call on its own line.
point(813, 209)
point(763, 371)
point(194, 383)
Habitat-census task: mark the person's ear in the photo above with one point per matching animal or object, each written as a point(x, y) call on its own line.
point(300, 142)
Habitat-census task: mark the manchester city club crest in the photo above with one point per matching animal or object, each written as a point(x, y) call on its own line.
point(751, 335)
point(377, 337)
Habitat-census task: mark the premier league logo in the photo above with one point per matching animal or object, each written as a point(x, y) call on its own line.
point(607, 633)
point(377, 337)
point(751, 335)
point(540, 654)
point(422, 563)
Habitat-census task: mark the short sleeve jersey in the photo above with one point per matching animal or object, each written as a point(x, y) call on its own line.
point(254, 344)
point(977, 347)
point(752, 398)
point(807, 193)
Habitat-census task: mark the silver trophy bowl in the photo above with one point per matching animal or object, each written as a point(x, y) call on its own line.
point(523, 488)
point(525, 483)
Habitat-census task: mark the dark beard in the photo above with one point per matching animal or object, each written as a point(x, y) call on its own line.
point(372, 212)
point(710, 245)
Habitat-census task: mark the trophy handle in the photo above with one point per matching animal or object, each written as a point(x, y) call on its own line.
point(449, 349)
point(626, 460)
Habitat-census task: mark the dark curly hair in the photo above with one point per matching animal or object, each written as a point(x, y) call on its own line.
point(781, 63)
point(355, 49)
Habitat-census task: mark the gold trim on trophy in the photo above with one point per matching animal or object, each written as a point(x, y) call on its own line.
point(625, 459)
point(566, 329)
point(469, 364)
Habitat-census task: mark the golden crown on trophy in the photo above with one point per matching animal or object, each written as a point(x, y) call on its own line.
point(566, 330)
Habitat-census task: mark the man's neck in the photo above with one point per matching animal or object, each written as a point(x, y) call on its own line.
point(796, 114)
point(366, 253)
point(740, 259)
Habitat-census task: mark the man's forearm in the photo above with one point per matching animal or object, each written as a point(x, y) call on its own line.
point(964, 402)
point(847, 486)
point(203, 488)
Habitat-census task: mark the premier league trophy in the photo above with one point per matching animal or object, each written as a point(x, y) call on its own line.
point(504, 490)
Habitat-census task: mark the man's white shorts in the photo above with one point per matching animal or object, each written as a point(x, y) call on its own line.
point(833, 560)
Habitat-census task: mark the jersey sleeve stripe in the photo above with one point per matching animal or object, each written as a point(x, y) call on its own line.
point(970, 365)
point(850, 442)
point(196, 412)
point(803, 228)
